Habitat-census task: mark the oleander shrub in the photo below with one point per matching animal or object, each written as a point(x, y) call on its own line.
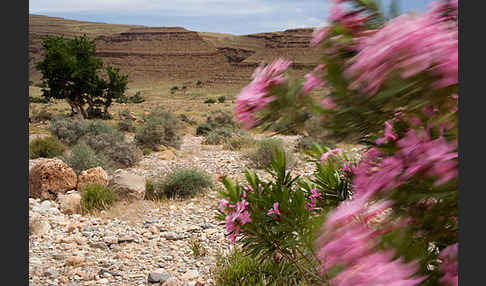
point(238, 268)
point(264, 150)
point(160, 128)
point(47, 147)
point(181, 183)
point(96, 197)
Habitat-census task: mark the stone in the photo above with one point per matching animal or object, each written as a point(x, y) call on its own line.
point(190, 275)
point(173, 281)
point(172, 236)
point(110, 240)
point(70, 203)
point(158, 276)
point(75, 260)
point(49, 178)
point(166, 155)
point(92, 176)
point(38, 226)
point(127, 185)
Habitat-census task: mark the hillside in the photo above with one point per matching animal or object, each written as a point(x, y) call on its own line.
point(167, 54)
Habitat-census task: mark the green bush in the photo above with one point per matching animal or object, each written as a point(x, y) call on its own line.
point(210, 100)
point(38, 99)
point(113, 145)
point(221, 99)
point(180, 183)
point(97, 127)
point(146, 151)
point(204, 128)
point(126, 125)
point(236, 268)
point(265, 148)
point(218, 136)
point(160, 128)
point(96, 197)
point(47, 147)
point(83, 157)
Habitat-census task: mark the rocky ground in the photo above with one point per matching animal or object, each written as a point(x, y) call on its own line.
point(158, 246)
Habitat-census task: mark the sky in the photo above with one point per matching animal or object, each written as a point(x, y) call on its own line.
point(237, 17)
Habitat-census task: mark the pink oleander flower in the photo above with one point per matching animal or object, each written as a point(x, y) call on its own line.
point(328, 103)
point(409, 45)
point(311, 82)
point(239, 217)
point(378, 268)
point(223, 205)
point(449, 265)
point(274, 210)
point(255, 96)
point(318, 35)
point(333, 152)
point(388, 134)
point(315, 194)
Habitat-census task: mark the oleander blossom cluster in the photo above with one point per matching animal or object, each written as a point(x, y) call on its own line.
point(409, 45)
point(236, 216)
point(449, 265)
point(255, 96)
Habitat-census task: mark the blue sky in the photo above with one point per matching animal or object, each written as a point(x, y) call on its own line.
point(224, 16)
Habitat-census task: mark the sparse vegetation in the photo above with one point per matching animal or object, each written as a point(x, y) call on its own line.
point(239, 141)
point(82, 157)
point(265, 148)
point(40, 115)
point(126, 125)
point(210, 100)
point(38, 99)
point(181, 183)
point(218, 119)
point(96, 197)
point(221, 99)
point(67, 130)
point(198, 250)
point(160, 128)
point(47, 147)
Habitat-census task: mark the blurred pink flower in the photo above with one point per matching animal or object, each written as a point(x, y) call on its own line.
point(318, 35)
point(449, 265)
point(274, 210)
point(329, 153)
point(254, 97)
point(388, 134)
point(311, 82)
point(328, 103)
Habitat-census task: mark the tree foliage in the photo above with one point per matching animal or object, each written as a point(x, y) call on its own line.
point(70, 71)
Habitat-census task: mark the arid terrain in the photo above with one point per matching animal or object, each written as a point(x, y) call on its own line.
point(131, 243)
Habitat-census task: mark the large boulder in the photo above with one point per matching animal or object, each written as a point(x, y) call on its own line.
point(70, 203)
point(34, 162)
point(127, 185)
point(49, 178)
point(92, 176)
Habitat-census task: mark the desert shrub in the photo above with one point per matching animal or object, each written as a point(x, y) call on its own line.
point(82, 157)
point(113, 145)
point(262, 154)
point(238, 142)
point(68, 130)
point(218, 119)
point(160, 128)
point(213, 138)
point(38, 99)
point(186, 119)
point(204, 128)
point(181, 183)
point(221, 99)
point(197, 248)
point(47, 147)
point(137, 98)
point(150, 193)
point(122, 99)
point(126, 125)
point(198, 83)
point(96, 197)
point(174, 89)
point(210, 100)
point(146, 151)
point(40, 115)
point(97, 127)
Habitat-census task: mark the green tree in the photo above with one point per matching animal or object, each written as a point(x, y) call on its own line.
point(70, 71)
